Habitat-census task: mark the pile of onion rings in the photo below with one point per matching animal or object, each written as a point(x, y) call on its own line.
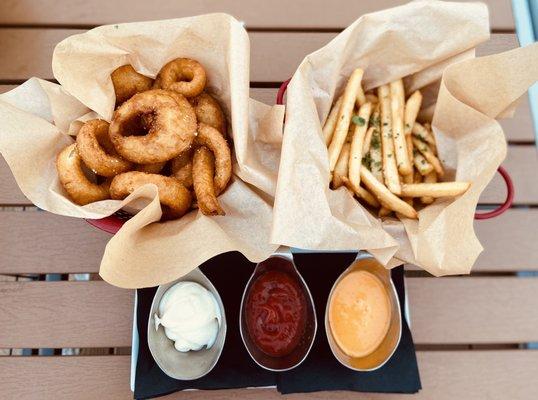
point(168, 132)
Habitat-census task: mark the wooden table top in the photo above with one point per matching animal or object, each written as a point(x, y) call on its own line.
point(472, 333)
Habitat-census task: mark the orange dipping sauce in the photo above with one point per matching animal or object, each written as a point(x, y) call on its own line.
point(359, 313)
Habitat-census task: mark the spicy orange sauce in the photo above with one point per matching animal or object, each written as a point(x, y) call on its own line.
point(359, 313)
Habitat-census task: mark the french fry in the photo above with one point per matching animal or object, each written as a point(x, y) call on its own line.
point(367, 141)
point(357, 143)
point(385, 196)
point(412, 107)
point(420, 132)
point(417, 178)
point(372, 98)
point(361, 193)
point(408, 179)
point(397, 107)
point(384, 211)
point(390, 171)
point(344, 116)
point(421, 164)
point(330, 123)
point(376, 159)
point(430, 178)
point(349, 135)
point(361, 98)
point(410, 147)
point(429, 156)
point(439, 189)
point(341, 167)
point(428, 127)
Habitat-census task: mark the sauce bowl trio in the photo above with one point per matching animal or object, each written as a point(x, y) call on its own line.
point(277, 319)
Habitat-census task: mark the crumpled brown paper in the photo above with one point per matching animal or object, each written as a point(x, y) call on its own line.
point(419, 41)
point(36, 117)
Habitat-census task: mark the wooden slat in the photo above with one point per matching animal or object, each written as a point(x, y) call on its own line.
point(474, 310)
point(469, 375)
point(10, 192)
point(64, 314)
point(68, 377)
point(274, 55)
point(95, 314)
point(69, 245)
point(257, 13)
point(521, 163)
point(509, 241)
point(40, 242)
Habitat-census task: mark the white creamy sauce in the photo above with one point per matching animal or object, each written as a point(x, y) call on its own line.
point(190, 316)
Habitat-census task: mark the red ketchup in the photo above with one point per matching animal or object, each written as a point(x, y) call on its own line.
point(276, 313)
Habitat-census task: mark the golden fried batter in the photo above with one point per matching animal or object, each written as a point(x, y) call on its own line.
point(213, 140)
point(79, 188)
point(172, 194)
point(172, 127)
point(203, 169)
point(182, 75)
point(208, 111)
point(127, 82)
point(97, 151)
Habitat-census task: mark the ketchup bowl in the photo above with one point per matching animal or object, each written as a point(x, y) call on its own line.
point(369, 326)
point(277, 319)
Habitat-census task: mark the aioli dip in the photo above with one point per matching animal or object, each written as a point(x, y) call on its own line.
point(190, 316)
point(276, 313)
point(359, 313)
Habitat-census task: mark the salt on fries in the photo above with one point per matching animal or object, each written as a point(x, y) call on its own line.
point(381, 154)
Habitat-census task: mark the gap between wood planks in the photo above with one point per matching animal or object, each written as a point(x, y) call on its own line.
point(248, 28)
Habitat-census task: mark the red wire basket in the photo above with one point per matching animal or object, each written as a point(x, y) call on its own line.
point(113, 223)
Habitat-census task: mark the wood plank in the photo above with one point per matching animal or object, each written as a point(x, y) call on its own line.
point(521, 163)
point(509, 241)
point(259, 13)
point(68, 377)
point(95, 314)
point(10, 193)
point(445, 375)
point(474, 310)
point(64, 314)
point(58, 244)
point(274, 55)
point(69, 245)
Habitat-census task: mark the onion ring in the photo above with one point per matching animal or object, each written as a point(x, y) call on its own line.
point(96, 149)
point(203, 168)
point(181, 167)
point(175, 198)
point(172, 127)
point(208, 111)
point(182, 75)
point(79, 188)
point(213, 140)
point(127, 82)
point(150, 168)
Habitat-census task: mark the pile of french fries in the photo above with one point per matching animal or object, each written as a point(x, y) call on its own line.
point(381, 153)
